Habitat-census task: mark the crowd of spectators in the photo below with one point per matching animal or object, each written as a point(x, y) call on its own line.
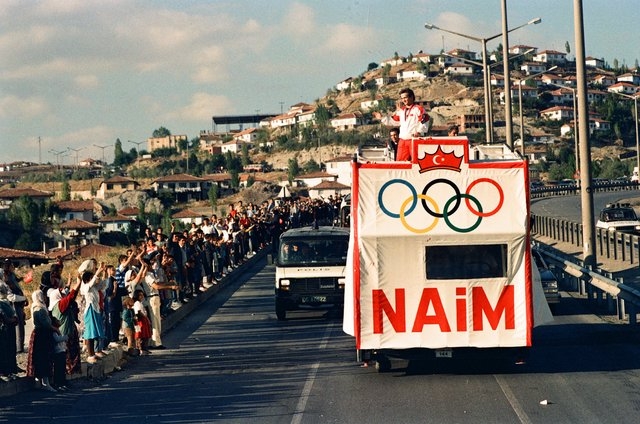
point(102, 306)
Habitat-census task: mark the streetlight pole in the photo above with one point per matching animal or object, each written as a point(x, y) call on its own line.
point(635, 105)
point(488, 111)
point(520, 82)
point(76, 150)
point(103, 147)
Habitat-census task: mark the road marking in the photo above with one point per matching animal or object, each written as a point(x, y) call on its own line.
point(515, 405)
point(308, 384)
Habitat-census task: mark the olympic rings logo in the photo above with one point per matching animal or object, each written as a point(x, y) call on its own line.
point(431, 207)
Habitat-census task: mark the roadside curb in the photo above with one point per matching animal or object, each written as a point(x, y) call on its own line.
point(112, 361)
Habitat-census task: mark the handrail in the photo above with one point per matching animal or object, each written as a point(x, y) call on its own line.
point(614, 288)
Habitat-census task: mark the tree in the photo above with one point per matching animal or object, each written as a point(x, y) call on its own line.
point(161, 132)
point(213, 195)
point(311, 166)
point(293, 170)
point(567, 47)
point(66, 191)
point(118, 154)
point(372, 66)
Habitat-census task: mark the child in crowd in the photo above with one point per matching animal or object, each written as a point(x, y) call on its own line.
point(128, 324)
point(59, 358)
point(143, 324)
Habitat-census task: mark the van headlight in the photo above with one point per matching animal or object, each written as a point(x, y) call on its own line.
point(285, 284)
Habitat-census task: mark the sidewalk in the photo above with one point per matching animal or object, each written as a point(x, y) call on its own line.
point(116, 356)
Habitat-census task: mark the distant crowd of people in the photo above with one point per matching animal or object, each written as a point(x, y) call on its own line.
point(102, 306)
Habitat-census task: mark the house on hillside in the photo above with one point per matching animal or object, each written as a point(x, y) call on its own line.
point(188, 216)
point(347, 121)
point(79, 232)
point(629, 77)
point(602, 79)
point(459, 68)
point(23, 258)
point(521, 49)
point(250, 135)
point(328, 188)
point(235, 146)
point(167, 142)
point(557, 113)
point(340, 168)
point(184, 187)
point(314, 178)
point(623, 87)
point(73, 209)
point(115, 186)
point(550, 57)
point(531, 68)
point(9, 195)
point(594, 62)
point(121, 223)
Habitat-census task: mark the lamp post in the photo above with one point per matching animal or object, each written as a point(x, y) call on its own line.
point(520, 82)
point(76, 150)
point(103, 147)
point(488, 113)
point(575, 122)
point(635, 105)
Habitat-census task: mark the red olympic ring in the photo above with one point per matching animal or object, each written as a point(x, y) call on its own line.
point(500, 192)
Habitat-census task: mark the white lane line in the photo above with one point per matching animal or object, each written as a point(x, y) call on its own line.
point(515, 405)
point(308, 384)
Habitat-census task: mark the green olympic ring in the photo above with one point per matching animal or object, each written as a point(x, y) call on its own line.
point(463, 230)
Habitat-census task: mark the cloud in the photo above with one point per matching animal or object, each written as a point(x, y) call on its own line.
point(299, 21)
point(345, 39)
point(201, 108)
point(21, 108)
point(86, 81)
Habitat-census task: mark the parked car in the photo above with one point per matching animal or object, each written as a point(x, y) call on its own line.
point(549, 280)
point(619, 217)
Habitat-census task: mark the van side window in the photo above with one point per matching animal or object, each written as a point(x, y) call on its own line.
point(466, 262)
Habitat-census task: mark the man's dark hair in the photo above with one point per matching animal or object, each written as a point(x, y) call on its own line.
point(409, 92)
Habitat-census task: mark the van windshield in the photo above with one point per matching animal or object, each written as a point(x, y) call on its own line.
point(313, 251)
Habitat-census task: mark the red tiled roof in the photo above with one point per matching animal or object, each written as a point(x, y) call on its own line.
point(129, 211)
point(186, 213)
point(6, 253)
point(14, 193)
point(75, 205)
point(329, 185)
point(178, 178)
point(120, 179)
point(77, 224)
point(115, 218)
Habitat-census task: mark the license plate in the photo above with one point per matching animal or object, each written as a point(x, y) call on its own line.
point(314, 299)
point(444, 353)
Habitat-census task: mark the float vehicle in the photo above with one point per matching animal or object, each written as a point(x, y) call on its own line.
point(439, 254)
point(310, 269)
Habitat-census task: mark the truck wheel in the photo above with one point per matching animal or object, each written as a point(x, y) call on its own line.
point(383, 364)
point(281, 312)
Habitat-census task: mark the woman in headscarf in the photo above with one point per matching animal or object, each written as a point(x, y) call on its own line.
point(40, 357)
point(64, 308)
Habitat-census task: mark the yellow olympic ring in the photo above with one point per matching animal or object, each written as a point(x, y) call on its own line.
point(416, 230)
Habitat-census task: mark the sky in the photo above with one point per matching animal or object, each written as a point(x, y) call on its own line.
point(76, 75)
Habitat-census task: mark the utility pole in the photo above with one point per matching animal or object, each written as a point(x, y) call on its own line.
point(39, 151)
point(76, 150)
point(104, 162)
point(586, 194)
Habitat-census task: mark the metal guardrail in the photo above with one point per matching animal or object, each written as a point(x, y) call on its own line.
point(615, 295)
point(612, 245)
point(563, 189)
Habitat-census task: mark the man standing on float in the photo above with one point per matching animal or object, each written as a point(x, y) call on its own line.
point(412, 119)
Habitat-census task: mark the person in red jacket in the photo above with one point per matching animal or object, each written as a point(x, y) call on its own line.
point(412, 119)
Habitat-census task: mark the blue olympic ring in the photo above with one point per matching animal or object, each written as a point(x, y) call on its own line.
point(414, 196)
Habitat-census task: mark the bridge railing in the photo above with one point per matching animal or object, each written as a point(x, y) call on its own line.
point(612, 245)
point(573, 188)
point(598, 286)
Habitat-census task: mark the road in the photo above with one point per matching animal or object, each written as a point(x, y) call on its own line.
point(570, 207)
point(232, 361)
